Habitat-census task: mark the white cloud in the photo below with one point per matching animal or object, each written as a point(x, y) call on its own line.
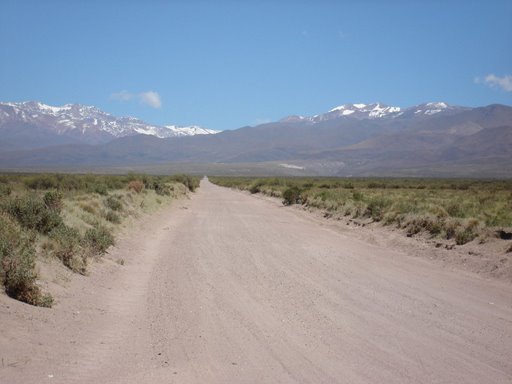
point(492, 80)
point(150, 98)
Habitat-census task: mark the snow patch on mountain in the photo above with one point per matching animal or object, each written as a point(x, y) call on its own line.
point(190, 131)
point(431, 108)
point(360, 111)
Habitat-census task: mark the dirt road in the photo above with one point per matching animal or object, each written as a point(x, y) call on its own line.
point(229, 288)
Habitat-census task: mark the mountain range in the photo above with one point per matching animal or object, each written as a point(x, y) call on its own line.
point(431, 139)
point(33, 125)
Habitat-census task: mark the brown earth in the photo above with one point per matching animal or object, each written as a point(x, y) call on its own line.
point(227, 288)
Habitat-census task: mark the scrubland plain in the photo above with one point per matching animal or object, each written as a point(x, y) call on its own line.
point(70, 218)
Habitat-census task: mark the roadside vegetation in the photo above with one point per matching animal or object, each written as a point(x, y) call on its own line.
point(458, 210)
point(72, 218)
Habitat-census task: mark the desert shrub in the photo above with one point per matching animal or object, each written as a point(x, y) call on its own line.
point(68, 248)
point(98, 239)
point(357, 196)
point(159, 187)
point(136, 185)
point(376, 208)
point(192, 183)
point(53, 200)
point(255, 187)
point(292, 196)
point(32, 213)
point(42, 182)
point(5, 190)
point(376, 185)
point(455, 209)
point(468, 233)
point(390, 217)
point(114, 203)
point(17, 263)
point(100, 189)
point(463, 236)
point(112, 217)
point(439, 212)
point(451, 228)
point(423, 223)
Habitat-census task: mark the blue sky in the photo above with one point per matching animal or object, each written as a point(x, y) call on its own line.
point(226, 64)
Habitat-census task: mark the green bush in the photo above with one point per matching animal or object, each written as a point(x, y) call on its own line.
point(192, 183)
point(464, 236)
point(98, 239)
point(468, 233)
point(17, 263)
point(32, 213)
point(376, 208)
point(292, 196)
point(256, 187)
point(68, 248)
point(100, 189)
point(42, 182)
point(5, 190)
point(113, 217)
point(114, 203)
point(53, 200)
point(161, 188)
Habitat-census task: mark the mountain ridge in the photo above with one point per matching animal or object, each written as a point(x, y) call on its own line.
point(377, 110)
point(459, 141)
point(77, 123)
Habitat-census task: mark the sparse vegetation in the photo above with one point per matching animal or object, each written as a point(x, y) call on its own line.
point(98, 239)
point(461, 210)
point(17, 261)
point(71, 218)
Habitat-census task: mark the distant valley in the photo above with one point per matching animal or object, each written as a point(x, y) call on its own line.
point(431, 139)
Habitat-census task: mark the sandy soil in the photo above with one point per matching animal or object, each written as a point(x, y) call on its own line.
point(228, 288)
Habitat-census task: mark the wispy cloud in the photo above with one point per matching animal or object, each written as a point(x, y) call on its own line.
point(494, 81)
point(149, 98)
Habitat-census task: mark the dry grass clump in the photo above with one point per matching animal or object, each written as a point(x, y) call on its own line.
point(136, 185)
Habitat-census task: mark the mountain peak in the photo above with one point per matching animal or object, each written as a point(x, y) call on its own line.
point(431, 108)
point(359, 110)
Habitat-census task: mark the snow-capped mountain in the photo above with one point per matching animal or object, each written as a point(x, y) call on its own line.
point(431, 139)
point(375, 111)
point(359, 111)
point(190, 131)
point(75, 123)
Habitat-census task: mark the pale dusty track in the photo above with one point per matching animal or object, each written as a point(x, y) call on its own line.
point(227, 288)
